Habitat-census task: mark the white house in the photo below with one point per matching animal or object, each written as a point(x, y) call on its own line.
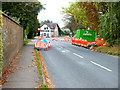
point(49, 29)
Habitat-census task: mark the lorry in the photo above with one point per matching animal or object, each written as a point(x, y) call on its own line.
point(87, 38)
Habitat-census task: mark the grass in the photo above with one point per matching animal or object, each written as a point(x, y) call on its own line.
point(38, 62)
point(1, 63)
point(114, 50)
point(26, 41)
point(63, 35)
point(39, 68)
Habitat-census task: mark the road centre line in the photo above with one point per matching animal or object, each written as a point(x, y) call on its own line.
point(78, 55)
point(63, 51)
point(101, 66)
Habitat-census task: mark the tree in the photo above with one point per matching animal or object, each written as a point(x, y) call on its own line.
point(73, 25)
point(102, 17)
point(1, 45)
point(84, 14)
point(109, 21)
point(46, 21)
point(25, 12)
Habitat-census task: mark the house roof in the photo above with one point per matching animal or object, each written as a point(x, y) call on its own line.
point(50, 25)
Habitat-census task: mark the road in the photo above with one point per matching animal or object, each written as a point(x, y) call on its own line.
point(70, 66)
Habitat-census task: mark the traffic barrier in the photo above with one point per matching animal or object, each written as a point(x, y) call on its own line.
point(73, 41)
point(49, 45)
point(92, 43)
point(105, 44)
point(71, 38)
point(40, 44)
point(66, 38)
point(79, 42)
point(82, 42)
point(76, 41)
point(85, 43)
point(100, 41)
point(53, 39)
point(46, 48)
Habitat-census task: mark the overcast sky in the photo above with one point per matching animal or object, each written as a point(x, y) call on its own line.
point(53, 10)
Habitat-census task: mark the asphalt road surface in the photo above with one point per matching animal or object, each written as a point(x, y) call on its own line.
point(70, 66)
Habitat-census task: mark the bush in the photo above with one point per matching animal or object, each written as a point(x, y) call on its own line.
point(113, 50)
point(26, 41)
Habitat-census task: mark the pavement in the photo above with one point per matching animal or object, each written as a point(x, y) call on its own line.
point(26, 75)
point(71, 66)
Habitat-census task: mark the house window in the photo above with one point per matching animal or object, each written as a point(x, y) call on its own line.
point(52, 31)
point(45, 28)
point(41, 34)
point(44, 34)
point(41, 31)
point(48, 35)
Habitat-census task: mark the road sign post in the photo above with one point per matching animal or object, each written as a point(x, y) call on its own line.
point(38, 31)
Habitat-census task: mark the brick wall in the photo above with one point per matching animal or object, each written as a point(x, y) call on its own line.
point(12, 40)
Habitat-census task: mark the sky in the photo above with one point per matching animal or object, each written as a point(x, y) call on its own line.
point(53, 10)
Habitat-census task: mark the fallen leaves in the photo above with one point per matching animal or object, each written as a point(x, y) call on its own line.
point(13, 86)
point(31, 65)
point(36, 81)
point(0, 85)
point(12, 68)
point(47, 79)
point(41, 86)
point(29, 70)
point(21, 68)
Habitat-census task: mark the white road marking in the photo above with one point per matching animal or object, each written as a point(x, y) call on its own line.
point(67, 50)
point(78, 55)
point(63, 51)
point(101, 66)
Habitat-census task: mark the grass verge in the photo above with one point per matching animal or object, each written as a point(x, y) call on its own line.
point(1, 63)
point(39, 69)
point(63, 35)
point(114, 50)
point(38, 62)
point(26, 41)
point(46, 76)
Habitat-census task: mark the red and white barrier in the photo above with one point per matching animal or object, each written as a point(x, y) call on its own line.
point(85, 43)
point(93, 42)
point(49, 45)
